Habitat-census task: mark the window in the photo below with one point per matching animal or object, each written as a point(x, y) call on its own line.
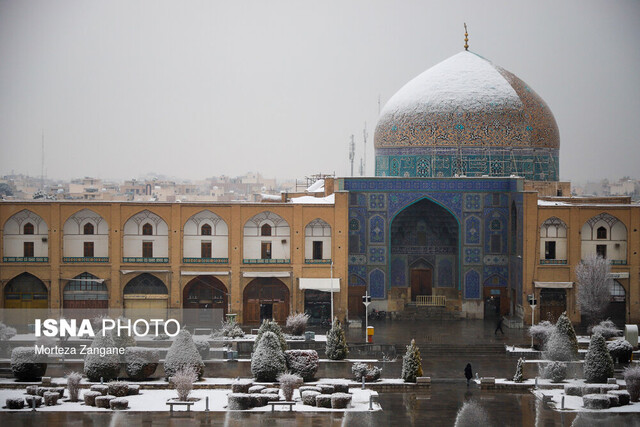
point(496, 244)
point(28, 249)
point(266, 250)
point(601, 233)
point(147, 249)
point(28, 228)
point(601, 251)
point(147, 229)
point(88, 249)
point(549, 250)
point(205, 230)
point(496, 199)
point(88, 228)
point(265, 230)
point(205, 249)
point(317, 250)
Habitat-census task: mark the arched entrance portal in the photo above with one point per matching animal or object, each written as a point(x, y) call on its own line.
point(206, 299)
point(617, 308)
point(424, 248)
point(145, 296)
point(25, 294)
point(85, 291)
point(266, 298)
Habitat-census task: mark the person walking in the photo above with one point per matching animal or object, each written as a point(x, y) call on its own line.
point(499, 326)
point(468, 373)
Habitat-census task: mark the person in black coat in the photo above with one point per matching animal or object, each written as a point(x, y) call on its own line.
point(468, 373)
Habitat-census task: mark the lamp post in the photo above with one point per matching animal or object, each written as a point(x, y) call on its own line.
point(532, 303)
point(366, 300)
point(332, 292)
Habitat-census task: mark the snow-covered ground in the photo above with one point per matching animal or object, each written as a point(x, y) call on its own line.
point(155, 400)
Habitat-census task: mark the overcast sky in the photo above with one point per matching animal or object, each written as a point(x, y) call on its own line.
point(194, 89)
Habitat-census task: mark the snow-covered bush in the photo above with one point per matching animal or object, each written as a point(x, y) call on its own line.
point(297, 323)
point(73, 385)
point(141, 362)
point(231, 329)
point(288, 383)
point(326, 388)
point(309, 388)
point(411, 363)
point(183, 381)
point(369, 372)
point(31, 399)
point(259, 399)
point(6, 332)
point(103, 401)
point(90, 397)
point(26, 365)
point(118, 388)
point(558, 347)
point(241, 386)
point(239, 401)
point(32, 390)
point(518, 378)
point(540, 333)
point(323, 401)
point(303, 362)
point(15, 402)
point(555, 371)
point(595, 401)
point(620, 350)
point(96, 366)
point(103, 389)
point(598, 365)
point(472, 415)
point(607, 329)
point(97, 321)
point(336, 347)
point(255, 389)
point(51, 398)
point(183, 353)
point(309, 397)
point(203, 346)
point(124, 340)
point(118, 403)
point(268, 359)
point(134, 389)
point(632, 378)
point(340, 400)
point(270, 326)
point(565, 327)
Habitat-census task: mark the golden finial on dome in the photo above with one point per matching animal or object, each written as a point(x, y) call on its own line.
point(466, 37)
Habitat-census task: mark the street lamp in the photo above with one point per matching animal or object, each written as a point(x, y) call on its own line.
point(532, 303)
point(332, 292)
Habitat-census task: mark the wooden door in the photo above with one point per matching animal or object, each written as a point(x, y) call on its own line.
point(280, 312)
point(420, 282)
point(356, 308)
point(251, 312)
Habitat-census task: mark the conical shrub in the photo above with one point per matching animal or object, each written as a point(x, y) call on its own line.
point(518, 377)
point(270, 326)
point(598, 364)
point(411, 363)
point(336, 347)
point(268, 359)
point(183, 353)
point(564, 326)
point(97, 366)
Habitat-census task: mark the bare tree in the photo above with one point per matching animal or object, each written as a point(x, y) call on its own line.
point(594, 280)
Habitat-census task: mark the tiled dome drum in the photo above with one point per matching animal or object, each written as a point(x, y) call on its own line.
point(467, 116)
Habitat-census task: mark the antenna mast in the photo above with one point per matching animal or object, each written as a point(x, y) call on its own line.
point(352, 152)
point(42, 164)
point(364, 165)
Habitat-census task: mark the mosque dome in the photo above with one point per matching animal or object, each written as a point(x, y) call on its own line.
point(467, 116)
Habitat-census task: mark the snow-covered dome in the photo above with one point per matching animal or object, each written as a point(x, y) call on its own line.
point(467, 116)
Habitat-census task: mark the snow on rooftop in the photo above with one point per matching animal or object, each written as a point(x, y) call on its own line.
point(466, 81)
point(273, 197)
point(311, 200)
point(316, 187)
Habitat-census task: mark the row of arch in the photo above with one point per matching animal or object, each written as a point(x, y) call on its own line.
point(145, 234)
point(146, 291)
point(603, 235)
